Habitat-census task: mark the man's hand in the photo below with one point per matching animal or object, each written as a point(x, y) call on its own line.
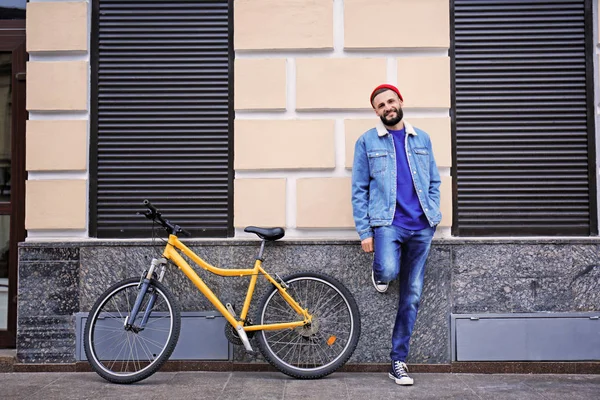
point(367, 245)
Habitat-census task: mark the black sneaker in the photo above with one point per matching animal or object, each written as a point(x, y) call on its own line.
point(381, 287)
point(399, 373)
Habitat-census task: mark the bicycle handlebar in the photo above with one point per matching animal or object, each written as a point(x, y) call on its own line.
point(154, 214)
point(150, 206)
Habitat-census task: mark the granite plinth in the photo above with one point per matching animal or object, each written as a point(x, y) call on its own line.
point(57, 280)
point(525, 278)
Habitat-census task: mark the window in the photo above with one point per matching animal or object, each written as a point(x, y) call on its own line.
point(13, 9)
point(162, 116)
point(523, 117)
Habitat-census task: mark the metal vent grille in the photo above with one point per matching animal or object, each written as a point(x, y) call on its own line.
point(523, 115)
point(163, 115)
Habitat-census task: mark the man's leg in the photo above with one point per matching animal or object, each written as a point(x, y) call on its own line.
point(415, 250)
point(386, 262)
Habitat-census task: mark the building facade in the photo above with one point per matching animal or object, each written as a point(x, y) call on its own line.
point(234, 113)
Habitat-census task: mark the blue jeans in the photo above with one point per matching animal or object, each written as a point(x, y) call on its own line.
point(402, 253)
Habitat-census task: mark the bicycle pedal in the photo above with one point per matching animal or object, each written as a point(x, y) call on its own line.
point(252, 353)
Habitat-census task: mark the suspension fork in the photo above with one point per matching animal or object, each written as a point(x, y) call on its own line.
point(144, 285)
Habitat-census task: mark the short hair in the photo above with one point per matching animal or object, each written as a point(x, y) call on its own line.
point(378, 92)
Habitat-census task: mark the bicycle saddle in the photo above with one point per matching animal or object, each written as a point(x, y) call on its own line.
point(266, 233)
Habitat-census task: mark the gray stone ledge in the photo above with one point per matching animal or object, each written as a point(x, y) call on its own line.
point(453, 241)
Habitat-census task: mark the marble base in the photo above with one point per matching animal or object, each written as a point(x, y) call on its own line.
point(57, 280)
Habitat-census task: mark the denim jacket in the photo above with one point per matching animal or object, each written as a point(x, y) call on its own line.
point(374, 178)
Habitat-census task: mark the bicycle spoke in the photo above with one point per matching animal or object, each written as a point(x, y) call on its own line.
point(291, 346)
point(329, 306)
point(102, 356)
point(108, 314)
point(283, 309)
point(114, 360)
point(129, 340)
point(129, 308)
point(136, 357)
point(117, 308)
point(165, 330)
point(283, 333)
point(107, 338)
point(147, 351)
point(152, 342)
point(326, 303)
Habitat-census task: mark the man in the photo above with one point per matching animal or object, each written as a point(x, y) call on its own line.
point(396, 207)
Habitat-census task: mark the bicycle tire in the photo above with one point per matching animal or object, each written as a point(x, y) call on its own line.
point(323, 347)
point(105, 326)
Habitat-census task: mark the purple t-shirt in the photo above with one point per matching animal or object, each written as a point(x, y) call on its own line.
point(409, 214)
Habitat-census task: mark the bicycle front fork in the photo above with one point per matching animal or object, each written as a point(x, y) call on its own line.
point(144, 285)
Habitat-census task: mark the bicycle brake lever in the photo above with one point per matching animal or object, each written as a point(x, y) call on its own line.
point(148, 214)
point(179, 229)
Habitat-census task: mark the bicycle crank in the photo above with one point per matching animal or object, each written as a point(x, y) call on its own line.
point(231, 333)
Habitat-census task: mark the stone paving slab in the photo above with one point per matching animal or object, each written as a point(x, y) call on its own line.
point(276, 386)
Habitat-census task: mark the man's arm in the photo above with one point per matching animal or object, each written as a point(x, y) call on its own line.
point(360, 190)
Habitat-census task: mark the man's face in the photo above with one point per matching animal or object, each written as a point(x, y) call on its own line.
point(388, 107)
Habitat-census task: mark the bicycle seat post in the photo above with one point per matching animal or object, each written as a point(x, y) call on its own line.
point(262, 249)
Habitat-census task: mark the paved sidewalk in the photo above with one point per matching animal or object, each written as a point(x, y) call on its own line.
point(273, 385)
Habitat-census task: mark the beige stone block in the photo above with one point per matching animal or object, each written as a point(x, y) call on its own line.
point(417, 23)
point(324, 203)
point(424, 81)
point(259, 202)
point(354, 128)
point(441, 138)
point(289, 24)
point(56, 204)
point(56, 145)
point(334, 83)
point(57, 86)
point(290, 144)
point(446, 201)
point(260, 84)
point(57, 26)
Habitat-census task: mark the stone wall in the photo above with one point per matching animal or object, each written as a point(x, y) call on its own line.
point(463, 276)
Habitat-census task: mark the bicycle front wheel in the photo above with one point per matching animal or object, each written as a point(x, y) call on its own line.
point(123, 351)
point(314, 350)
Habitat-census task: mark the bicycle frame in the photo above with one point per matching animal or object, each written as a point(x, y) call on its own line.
point(170, 253)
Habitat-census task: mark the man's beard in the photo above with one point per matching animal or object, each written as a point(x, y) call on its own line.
point(393, 121)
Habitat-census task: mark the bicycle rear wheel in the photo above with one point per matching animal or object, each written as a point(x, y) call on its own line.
point(123, 355)
point(318, 349)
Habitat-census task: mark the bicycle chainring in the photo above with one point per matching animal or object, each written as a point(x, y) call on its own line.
point(232, 336)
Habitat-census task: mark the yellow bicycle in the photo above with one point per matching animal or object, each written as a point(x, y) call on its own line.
point(307, 324)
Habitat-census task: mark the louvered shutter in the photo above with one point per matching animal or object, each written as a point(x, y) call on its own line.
point(162, 116)
point(524, 117)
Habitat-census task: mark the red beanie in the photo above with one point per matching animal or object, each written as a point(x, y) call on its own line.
point(386, 86)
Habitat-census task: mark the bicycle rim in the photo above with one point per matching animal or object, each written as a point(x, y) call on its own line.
point(327, 343)
point(126, 355)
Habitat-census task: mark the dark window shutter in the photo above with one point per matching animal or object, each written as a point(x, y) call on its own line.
point(162, 116)
point(523, 102)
